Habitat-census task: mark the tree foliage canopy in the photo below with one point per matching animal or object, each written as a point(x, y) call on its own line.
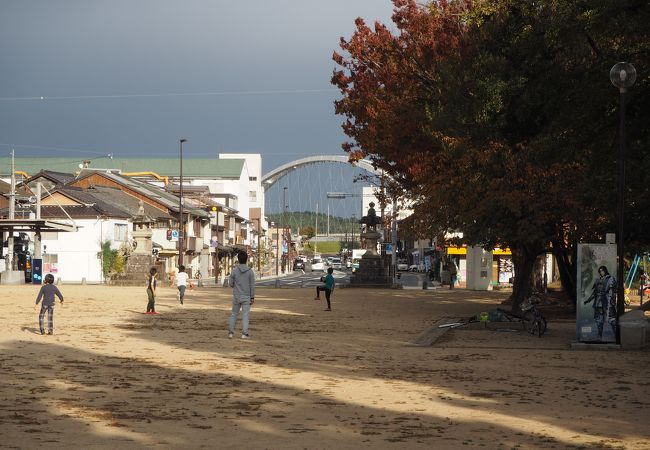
point(498, 116)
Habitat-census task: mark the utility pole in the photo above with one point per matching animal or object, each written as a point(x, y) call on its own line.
point(12, 214)
point(181, 234)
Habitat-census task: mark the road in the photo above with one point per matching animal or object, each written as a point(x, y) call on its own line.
point(299, 279)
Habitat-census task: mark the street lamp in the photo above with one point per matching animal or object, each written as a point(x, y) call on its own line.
point(284, 219)
point(181, 234)
point(623, 76)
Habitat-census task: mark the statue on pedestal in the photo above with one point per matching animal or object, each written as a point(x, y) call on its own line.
point(370, 236)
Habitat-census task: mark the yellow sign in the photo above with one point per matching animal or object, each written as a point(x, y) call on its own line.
point(463, 251)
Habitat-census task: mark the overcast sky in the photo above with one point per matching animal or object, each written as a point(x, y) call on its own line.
point(130, 77)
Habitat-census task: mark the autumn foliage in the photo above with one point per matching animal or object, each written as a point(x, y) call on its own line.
point(497, 117)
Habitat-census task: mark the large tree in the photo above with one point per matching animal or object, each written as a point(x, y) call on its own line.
point(496, 116)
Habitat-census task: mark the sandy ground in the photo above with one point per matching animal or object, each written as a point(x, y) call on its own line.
point(113, 377)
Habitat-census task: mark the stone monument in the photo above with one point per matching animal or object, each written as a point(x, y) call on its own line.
point(372, 272)
point(141, 260)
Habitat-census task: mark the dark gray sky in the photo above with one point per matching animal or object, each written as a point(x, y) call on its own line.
point(130, 77)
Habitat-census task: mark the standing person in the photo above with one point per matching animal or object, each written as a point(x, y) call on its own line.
point(327, 287)
point(151, 291)
point(47, 293)
point(181, 283)
point(242, 280)
point(452, 272)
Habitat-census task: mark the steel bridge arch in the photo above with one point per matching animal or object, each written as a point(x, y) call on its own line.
point(273, 176)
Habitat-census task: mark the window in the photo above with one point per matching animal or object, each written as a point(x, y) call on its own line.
point(50, 263)
point(120, 232)
point(252, 178)
point(252, 196)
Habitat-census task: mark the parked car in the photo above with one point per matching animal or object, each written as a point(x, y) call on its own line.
point(402, 265)
point(299, 264)
point(335, 263)
point(317, 264)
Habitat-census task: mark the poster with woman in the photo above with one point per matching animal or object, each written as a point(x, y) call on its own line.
point(596, 318)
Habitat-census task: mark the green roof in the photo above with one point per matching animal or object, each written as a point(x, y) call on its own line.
point(192, 167)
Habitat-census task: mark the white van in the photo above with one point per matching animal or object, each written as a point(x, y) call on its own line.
point(317, 264)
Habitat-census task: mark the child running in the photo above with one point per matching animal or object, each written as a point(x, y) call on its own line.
point(47, 293)
point(327, 287)
point(181, 283)
point(151, 291)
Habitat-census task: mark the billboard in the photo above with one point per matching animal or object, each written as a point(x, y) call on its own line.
point(596, 317)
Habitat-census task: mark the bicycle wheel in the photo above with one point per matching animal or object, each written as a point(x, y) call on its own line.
point(528, 320)
point(536, 328)
point(543, 324)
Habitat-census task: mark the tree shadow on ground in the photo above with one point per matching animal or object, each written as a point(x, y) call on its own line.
point(512, 385)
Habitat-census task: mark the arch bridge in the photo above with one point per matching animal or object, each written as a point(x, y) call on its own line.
point(273, 176)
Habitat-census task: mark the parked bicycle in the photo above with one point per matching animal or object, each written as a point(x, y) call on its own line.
point(531, 318)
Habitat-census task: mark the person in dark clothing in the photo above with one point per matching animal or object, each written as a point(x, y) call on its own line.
point(327, 287)
point(151, 292)
point(47, 293)
point(453, 271)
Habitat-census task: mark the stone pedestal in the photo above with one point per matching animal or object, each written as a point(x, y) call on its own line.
point(372, 272)
point(136, 272)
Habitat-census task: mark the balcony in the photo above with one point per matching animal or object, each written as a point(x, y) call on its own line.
point(192, 244)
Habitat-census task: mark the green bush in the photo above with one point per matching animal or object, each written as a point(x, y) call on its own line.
point(108, 256)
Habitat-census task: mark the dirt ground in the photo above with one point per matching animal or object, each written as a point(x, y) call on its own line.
point(113, 377)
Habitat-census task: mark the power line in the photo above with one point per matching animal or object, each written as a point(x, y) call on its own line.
point(63, 149)
point(169, 94)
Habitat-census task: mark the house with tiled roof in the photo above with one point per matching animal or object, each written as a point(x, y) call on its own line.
point(224, 184)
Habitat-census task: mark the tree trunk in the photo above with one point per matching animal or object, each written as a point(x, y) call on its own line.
point(523, 259)
point(567, 268)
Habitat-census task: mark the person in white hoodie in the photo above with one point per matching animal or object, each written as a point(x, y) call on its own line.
point(242, 280)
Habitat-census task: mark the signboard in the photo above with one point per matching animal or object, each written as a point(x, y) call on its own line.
point(596, 317)
point(37, 271)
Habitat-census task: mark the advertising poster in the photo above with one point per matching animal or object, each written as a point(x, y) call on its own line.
point(596, 318)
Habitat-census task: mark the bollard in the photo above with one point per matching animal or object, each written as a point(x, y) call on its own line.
point(424, 285)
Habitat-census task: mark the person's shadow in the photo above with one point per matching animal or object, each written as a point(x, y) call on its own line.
point(31, 330)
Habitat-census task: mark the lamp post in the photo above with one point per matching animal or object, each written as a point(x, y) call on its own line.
point(181, 234)
point(259, 250)
point(277, 247)
point(284, 228)
point(623, 76)
point(354, 219)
